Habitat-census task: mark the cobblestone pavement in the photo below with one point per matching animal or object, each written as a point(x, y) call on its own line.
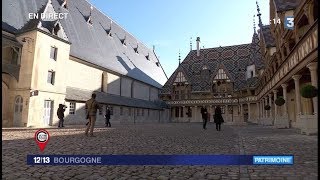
point(185, 138)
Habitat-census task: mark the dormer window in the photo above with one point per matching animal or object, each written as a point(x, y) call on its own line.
point(136, 49)
point(180, 78)
point(123, 41)
point(147, 57)
point(89, 18)
point(108, 31)
point(56, 29)
point(158, 64)
point(65, 4)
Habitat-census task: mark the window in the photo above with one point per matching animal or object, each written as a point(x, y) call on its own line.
point(53, 53)
point(138, 112)
point(72, 107)
point(180, 77)
point(158, 64)
point(251, 72)
point(221, 74)
point(121, 111)
point(148, 112)
point(142, 112)
point(51, 76)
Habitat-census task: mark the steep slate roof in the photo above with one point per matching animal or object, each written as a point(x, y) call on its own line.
point(234, 59)
point(286, 5)
point(90, 42)
point(268, 38)
point(81, 95)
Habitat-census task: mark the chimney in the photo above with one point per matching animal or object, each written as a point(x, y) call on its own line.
point(198, 46)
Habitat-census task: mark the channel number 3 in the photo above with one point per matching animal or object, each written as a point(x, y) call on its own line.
point(289, 22)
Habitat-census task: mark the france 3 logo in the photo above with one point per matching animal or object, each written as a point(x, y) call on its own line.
point(289, 22)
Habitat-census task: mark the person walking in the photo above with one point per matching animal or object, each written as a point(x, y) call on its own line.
point(91, 109)
point(218, 119)
point(60, 114)
point(204, 113)
point(107, 117)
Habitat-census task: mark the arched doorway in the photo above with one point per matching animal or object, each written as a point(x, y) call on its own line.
point(17, 113)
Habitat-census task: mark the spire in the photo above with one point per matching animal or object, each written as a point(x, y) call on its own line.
point(254, 24)
point(259, 14)
point(179, 58)
point(190, 43)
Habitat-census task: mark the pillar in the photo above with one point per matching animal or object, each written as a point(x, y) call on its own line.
point(296, 79)
point(274, 101)
point(258, 109)
point(226, 113)
point(314, 81)
point(265, 103)
point(249, 112)
point(194, 111)
point(284, 91)
point(262, 109)
point(270, 104)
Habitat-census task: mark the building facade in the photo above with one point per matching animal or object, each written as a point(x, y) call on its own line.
point(244, 79)
point(51, 61)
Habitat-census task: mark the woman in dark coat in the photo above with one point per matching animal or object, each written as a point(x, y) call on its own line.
point(218, 119)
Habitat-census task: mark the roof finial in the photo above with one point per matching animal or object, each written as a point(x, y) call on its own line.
point(259, 14)
point(254, 24)
point(179, 57)
point(190, 43)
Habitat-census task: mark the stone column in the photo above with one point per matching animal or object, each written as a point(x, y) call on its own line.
point(284, 90)
point(249, 112)
point(265, 103)
point(274, 103)
point(262, 110)
point(258, 109)
point(296, 79)
point(314, 81)
point(194, 111)
point(270, 104)
point(226, 113)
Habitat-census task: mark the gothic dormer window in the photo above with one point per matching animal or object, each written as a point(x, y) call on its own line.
point(180, 78)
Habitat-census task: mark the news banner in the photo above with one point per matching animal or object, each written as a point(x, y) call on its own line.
point(42, 137)
point(160, 159)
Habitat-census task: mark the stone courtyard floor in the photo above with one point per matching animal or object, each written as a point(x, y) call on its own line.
point(185, 138)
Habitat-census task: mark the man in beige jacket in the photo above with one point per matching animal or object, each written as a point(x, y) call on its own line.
point(91, 109)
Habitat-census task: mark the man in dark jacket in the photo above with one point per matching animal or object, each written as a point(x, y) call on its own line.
point(60, 114)
point(204, 113)
point(107, 117)
point(218, 119)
